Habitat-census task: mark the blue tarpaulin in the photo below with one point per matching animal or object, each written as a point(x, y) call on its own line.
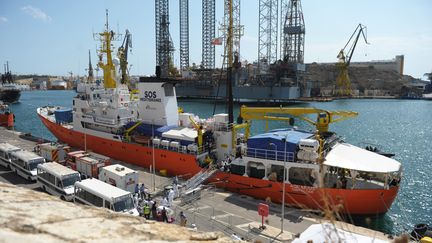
point(146, 129)
point(63, 115)
point(264, 145)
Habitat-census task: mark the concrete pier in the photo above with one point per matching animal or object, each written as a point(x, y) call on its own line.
point(214, 209)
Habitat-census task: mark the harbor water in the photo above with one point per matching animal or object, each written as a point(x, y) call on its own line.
point(402, 127)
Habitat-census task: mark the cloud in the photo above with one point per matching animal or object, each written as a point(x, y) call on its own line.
point(36, 13)
point(3, 19)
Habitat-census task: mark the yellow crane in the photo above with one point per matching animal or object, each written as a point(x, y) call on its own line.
point(343, 83)
point(129, 130)
point(322, 122)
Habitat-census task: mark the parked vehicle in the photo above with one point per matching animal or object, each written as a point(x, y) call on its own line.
point(100, 194)
point(24, 163)
point(6, 150)
point(119, 176)
point(87, 163)
point(57, 179)
point(53, 151)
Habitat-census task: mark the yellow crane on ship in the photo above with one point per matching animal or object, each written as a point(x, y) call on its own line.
point(323, 117)
point(343, 83)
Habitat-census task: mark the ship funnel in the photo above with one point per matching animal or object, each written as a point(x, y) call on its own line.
point(157, 102)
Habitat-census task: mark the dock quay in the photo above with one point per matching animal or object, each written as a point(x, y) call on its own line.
point(213, 209)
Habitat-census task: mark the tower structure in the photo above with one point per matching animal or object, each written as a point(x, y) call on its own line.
point(184, 33)
point(293, 33)
point(267, 31)
point(232, 20)
point(208, 33)
point(283, 7)
point(164, 45)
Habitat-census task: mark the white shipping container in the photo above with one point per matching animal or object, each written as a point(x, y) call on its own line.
point(119, 176)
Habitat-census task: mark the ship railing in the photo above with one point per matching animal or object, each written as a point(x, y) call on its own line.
point(183, 149)
point(270, 154)
point(223, 126)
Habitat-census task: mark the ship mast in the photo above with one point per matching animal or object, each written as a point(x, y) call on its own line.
point(109, 72)
point(90, 77)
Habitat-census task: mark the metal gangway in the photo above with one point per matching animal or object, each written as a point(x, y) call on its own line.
point(191, 189)
point(198, 179)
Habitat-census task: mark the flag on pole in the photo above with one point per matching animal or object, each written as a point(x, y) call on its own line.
point(217, 41)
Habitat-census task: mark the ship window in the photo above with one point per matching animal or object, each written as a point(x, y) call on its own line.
point(168, 89)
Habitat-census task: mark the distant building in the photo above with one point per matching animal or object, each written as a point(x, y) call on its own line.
point(39, 83)
point(396, 64)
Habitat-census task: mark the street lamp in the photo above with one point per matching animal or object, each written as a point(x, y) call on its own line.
point(283, 185)
point(153, 157)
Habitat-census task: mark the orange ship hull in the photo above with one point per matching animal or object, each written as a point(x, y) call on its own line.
point(349, 201)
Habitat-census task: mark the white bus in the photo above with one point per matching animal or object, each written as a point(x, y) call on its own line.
point(57, 179)
point(24, 163)
point(5, 153)
point(100, 194)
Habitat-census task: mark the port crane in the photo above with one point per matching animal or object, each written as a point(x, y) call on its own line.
point(343, 83)
point(123, 56)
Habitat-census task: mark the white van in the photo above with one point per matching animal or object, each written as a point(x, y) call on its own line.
point(119, 176)
point(57, 179)
point(6, 150)
point(100, 194)
point(24, 163)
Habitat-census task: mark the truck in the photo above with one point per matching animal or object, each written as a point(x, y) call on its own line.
point(119, 176)
point(53, 151)
point(87, 163)
point(89, 167)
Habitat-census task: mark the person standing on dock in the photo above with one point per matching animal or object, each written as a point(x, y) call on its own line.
point(147, 211)
point(164, 215)
point(154, 211)
point(183, 219)
point(170, 197)
point(176, 190)
point(136, 189)
point(142, 191)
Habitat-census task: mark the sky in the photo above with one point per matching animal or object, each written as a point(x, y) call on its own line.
point(53, 37)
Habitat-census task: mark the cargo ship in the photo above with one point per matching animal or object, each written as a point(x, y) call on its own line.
point(312, 170)
point(9, 93)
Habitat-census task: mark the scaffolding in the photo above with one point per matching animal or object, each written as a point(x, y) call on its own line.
point(184, 34)
point(268, 32)
point(164, 45)
point(293, 34)
point(208, 33)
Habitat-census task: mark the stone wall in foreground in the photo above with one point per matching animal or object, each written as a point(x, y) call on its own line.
point(31, 216)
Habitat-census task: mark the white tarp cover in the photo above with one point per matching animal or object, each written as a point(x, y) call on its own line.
point(181, 133)
point(348, 156)
point(329, 233)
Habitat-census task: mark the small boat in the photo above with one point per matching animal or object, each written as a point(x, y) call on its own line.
point(6, 116)
point(375, 149)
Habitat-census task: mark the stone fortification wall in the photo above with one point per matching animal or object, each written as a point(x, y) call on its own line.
point(31, 216)
point(363, 79)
